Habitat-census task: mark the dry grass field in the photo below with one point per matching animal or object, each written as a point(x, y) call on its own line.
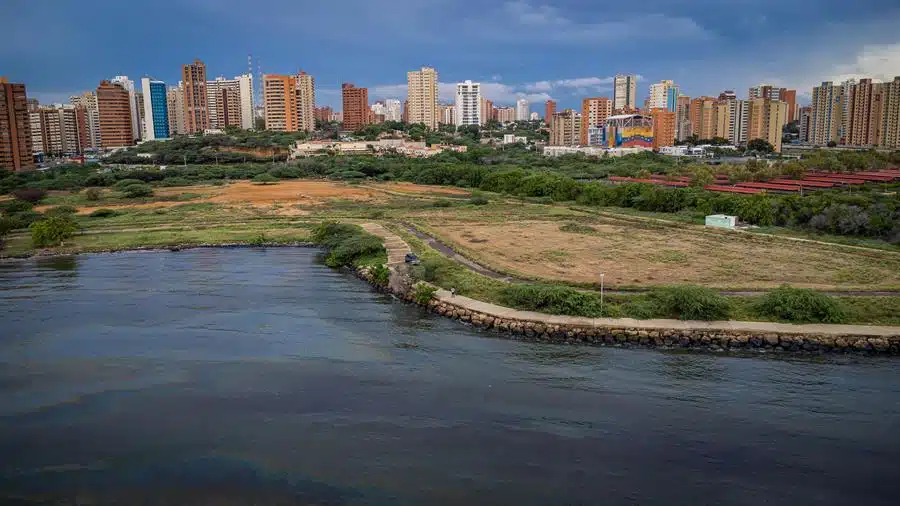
point(637, 254)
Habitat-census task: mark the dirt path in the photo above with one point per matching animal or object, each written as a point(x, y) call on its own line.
point(397, 249)
point(448, 252)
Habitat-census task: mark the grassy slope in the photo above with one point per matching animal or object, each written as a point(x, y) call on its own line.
point(449, 274)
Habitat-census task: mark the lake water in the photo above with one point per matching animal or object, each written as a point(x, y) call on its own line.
point(251, 376)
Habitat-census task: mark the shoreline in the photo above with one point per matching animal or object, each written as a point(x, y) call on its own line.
point(564, 330)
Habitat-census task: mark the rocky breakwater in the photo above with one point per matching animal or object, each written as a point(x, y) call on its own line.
point(699, 338)
point(672, 334)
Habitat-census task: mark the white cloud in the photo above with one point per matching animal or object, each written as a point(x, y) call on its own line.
point(528, 22)
point(880, 62)
point(500, 93)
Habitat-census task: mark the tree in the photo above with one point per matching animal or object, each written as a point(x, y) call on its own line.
point(33, 195)
point(52, 231)
point(832, 144)
point(760, 146)
point(137, 190)
point(265, 178)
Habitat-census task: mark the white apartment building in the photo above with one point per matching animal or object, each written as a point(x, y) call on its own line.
point(230, 102)
point(393, 110)
point(522, 110)
point(468, 103)
point(625, 91)
point(663, 95)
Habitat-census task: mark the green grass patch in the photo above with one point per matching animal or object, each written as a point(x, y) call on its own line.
point(577, 228)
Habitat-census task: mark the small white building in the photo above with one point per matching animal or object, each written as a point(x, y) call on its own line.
point(721, 221)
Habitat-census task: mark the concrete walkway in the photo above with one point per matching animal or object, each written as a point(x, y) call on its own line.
point(758, 327)
point(395, 246)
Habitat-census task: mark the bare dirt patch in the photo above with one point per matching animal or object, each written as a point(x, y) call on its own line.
point(629, 254)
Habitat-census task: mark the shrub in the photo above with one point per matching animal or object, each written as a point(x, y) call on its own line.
point(60, 210)
point(427, 269)
point(137, 190)
point(93, 194)
point(552, 299)
point(6, 225)
point(479, 200)
point(15, 206)
point(259, 239)
point(347, 243)
point(264, 178)
point(801, 305)
point(381, 275)
point(120, 185)
point(688, 302)
point(23, 219)
point(577, 228)
point(104, 213)
point(175, 181)
point(422, 292)
point(52, 231)
point(442, 203)
point(33, 195)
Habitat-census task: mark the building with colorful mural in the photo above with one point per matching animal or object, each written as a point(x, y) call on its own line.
point(628, 131)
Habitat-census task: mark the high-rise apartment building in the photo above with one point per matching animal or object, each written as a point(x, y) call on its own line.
point(825, 114)
point(522, 109)
point(790, 98)
point(663, 95)
point(448, 114)
point(15, 128)
point(59, 130)
point(663, 127)
point(175, 106)
point(196, 108)
point(594, 112)
point(682, 117)
point(140, 101)
point(422, 90)
point(703, 123)
point(625, 92)
point(324, 113)
point(280, 102)
point(134, 103)
point(765, 120)
point(728, 95)
point(865, 114)
point(468, 103)
point(487, 111)
point(891, 129)
point(393, 110)
point(565, 128)
point(549, 110)
point(505, 114)
point(229, 102)
point(804, 118)
point(88, 102)
point(114, 103)
point(156, 109)
point(306, 102)
point(844, 129)
point(356, 106)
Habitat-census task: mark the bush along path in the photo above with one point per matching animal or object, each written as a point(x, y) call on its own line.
point(664, 333)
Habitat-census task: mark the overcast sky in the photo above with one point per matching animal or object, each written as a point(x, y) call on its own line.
point(564, 49)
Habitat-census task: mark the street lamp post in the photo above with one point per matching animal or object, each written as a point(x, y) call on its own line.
point(601, 292)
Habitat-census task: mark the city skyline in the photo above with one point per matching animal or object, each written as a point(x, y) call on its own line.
point(860, 45)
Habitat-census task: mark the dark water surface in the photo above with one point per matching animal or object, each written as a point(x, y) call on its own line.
point(247, 376)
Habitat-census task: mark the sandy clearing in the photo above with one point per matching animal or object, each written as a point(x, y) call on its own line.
point(630, 255)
